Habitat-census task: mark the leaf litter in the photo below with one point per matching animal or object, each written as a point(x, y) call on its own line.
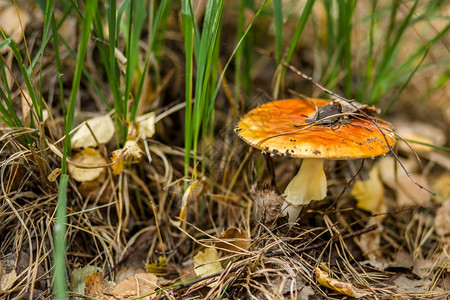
point(334, 249)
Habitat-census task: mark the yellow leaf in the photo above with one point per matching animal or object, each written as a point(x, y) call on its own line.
point(342, 287)
point(369, 194)
point(207, 262)
point(102, 127)
point(87, 158)
point(117, 159)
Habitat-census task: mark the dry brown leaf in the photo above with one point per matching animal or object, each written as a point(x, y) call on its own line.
point(442, 219)
point(207, 262)
point(403, 284)
point(234, 240)
point(369, 243)
point(13, 20)
point(87, 157)
point(7, 279)
point(420, 132)
point(409, 194)
point(342, 287)
point(102, 127)
point(423, 267)
point(91, 190)
point(96, 285)
point(402, 259)
point(441, 185)
point(369, 194)
point(136, 285)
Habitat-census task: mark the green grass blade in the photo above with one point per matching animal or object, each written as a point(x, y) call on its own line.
point(60, 284)
point(306, 13)
point(188, 32)
point(59, 260)
point(278, 20)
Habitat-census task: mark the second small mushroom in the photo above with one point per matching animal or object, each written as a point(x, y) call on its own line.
point(315, 130)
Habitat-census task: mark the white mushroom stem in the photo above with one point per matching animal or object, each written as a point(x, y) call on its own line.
point(309, 184)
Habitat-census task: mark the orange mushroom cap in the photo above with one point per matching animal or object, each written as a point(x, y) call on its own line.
point(280, 128)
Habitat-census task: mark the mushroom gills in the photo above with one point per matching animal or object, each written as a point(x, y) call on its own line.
point(309, 184)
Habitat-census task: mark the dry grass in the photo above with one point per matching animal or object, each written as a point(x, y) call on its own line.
point(127, 221)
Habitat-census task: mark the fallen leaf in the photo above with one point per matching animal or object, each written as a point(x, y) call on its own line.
point(342, 287)
point(441, 185)
point(402, 259)
point(133, 149)
point(409, 194)
point(102, 127)
point(13, 20)
point(420, 132)
point(369, 243)
point(7, 279)
point(136, 285)
point(117, 159)
point(403, 284)
point(234, 240)
point(130, 150)
point(78, 278)
point(207, 262)
point(87, 157)
point(423, 267)
point(96, 285)
point(369, 194)
point(442, 219)
point(147, 122)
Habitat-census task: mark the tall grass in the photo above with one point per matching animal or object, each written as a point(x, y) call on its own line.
point(382, 70)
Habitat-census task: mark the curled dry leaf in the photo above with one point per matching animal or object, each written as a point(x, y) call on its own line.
point(342, 287)
point(131, 149)
point(207, 262)
point(102, 127)
point(87, 157)
point(234, 240)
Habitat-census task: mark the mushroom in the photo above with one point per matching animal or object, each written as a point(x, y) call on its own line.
point(315, 130)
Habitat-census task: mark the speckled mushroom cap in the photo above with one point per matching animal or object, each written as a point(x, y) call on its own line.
point(270, 128)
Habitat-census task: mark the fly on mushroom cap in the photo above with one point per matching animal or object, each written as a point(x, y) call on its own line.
point(314, 129)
